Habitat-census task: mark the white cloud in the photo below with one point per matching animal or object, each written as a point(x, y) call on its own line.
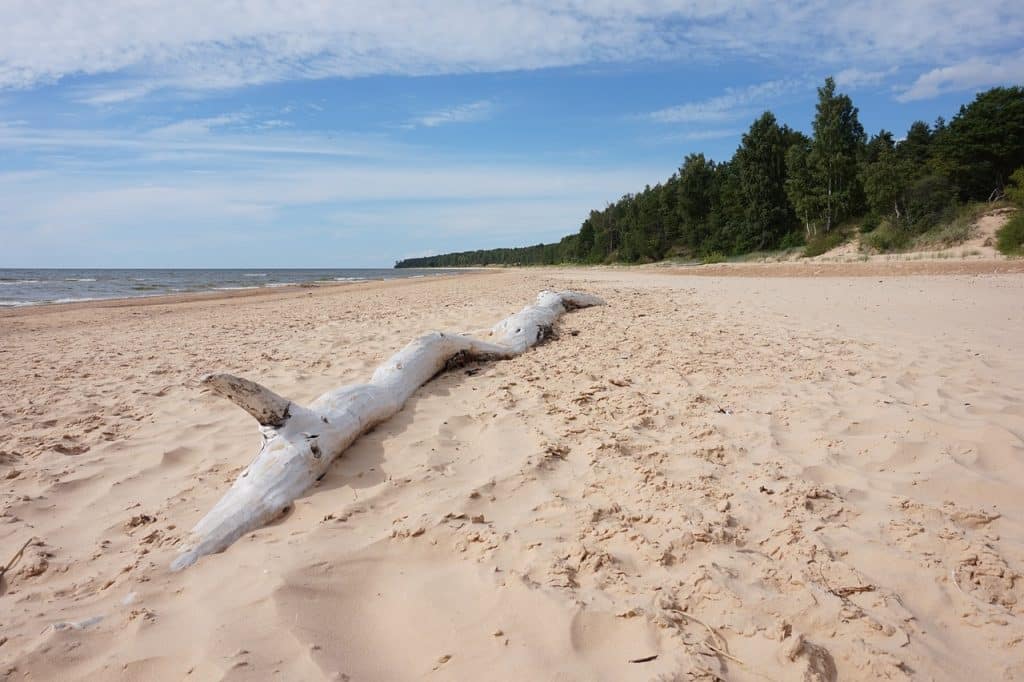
point(735, 103)
point(464, 113)
point(523, 220)
point(270, 209)
point(200, 45)
point(710, 134)
point(192, 45)
point(111, 95)
point(858, 78)
point(199, 126)
point(971, 74)
point(272, 123)
point(209, 173)
point(193, 136)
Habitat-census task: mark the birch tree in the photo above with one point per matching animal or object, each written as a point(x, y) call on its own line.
point(838, 140)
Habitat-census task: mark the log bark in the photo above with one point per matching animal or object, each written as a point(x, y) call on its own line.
point(300, 442)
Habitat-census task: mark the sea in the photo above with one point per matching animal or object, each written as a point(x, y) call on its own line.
point(24, 287)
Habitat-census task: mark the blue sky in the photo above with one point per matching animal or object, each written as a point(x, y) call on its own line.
point(332, 134)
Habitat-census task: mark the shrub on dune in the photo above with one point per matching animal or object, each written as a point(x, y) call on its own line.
point(1010, 238)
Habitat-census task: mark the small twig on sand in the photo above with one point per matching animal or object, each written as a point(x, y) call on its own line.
point(724, 651)
point(15, 558)
point(853, 589)
point(844, 592)
point(724, 654)
point(952, 576)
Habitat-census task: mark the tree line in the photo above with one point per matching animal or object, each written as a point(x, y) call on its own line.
point(783, 188)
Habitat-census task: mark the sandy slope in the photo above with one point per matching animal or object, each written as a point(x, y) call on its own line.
point(981, 244)
point(977, 255)
point(829, 472)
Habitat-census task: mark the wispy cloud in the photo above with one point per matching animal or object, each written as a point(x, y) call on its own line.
point(195, 136)
point(189, 45)
point(970, 74)
point(711, 134)
point(108, 95)
point(854, 78)
point(735, 103)
point(199, 126)
point(465, 113)
point(524, 219)
point(428, 201)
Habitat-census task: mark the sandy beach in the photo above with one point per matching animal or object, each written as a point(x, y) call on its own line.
point(740, 478)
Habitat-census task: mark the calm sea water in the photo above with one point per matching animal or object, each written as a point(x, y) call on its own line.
point(33, 287)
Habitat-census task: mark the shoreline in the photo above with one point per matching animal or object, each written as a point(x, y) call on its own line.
point(795, 269)
point(298, 290)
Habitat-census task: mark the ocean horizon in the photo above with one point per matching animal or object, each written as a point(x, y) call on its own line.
point(40, 286)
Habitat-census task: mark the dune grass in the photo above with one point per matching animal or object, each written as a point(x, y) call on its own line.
point(1010, 238)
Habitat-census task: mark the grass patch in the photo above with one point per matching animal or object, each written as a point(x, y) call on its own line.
point(713, 257)
point(1010, 238)
point(886, 238)
point(778, 255)
point(823, 243)
point(957, 229)
point(953, 233)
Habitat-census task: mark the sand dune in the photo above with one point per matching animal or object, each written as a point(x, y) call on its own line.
point(742, 478)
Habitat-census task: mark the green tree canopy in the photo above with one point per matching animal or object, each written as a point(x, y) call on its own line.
point(885, 177)
point(761, 161)
point(838, 142)
point(779, 179)
point(984, 143)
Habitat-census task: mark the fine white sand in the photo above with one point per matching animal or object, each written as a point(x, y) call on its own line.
point(748, 478)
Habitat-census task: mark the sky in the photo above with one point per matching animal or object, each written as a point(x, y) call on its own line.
point(312, 133)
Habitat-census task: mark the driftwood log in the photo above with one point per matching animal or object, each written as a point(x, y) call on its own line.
point(299, 442)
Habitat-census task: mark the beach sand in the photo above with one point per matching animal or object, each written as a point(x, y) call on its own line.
point(747, 478)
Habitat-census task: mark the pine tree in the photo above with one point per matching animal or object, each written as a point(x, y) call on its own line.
point(885, 177)
point(984, 143)
point(915, 148)
point(696, 196)
point(761, 160)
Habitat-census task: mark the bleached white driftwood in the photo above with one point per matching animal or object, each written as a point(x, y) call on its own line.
point(299, 442)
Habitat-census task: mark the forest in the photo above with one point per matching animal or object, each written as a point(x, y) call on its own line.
point(785, 189)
